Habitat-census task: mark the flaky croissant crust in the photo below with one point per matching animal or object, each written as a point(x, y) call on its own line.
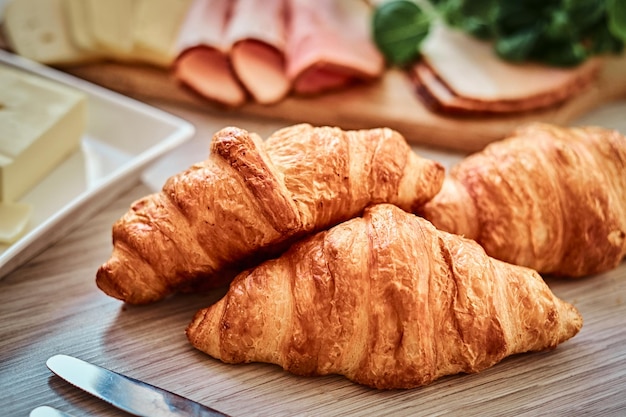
point(251, 198)
point(386, 300)
point(548, 197)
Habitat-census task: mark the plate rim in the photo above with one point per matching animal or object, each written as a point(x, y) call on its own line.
point(25, 247)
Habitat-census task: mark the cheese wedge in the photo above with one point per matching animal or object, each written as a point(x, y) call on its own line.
point(14, 219)
point(41, 123)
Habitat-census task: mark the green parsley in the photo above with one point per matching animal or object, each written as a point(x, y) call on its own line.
point(554, 32)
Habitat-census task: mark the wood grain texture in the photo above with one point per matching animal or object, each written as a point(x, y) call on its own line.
point(51, 305)
point(390, 102)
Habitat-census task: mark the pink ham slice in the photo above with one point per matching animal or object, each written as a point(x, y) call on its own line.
point(256, 32)
point(329, 45)
point(460, 74)
point(203, 63)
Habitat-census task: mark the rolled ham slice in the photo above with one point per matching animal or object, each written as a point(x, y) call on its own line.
point(329, 45)
point(256, 32)
point(460, 74)
point(203, 62)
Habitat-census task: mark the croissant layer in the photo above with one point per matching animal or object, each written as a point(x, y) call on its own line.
point(548, 197)
point(251, 198)
point(386, 300)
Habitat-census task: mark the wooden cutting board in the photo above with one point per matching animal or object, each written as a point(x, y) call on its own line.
point(389, 102)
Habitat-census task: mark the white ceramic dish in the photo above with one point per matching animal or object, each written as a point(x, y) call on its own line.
point(123, 136)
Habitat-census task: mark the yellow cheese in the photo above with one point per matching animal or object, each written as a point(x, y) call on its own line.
point(13, 221)
point(112, 25)
point(79, 24)
point(38, 29)
point(156, 28)
point(41, 123)
point(74, 31)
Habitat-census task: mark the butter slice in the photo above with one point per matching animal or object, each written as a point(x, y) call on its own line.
point(41, 123)
point(14, 218)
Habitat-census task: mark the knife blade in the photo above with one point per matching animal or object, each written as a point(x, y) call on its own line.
point(131, 395)
point(46, 411)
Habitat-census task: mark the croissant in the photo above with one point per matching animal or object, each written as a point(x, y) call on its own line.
point(386, 300)
point(250, 199)
point(550, 198)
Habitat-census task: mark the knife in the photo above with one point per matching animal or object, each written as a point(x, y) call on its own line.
point(131, 395)
point(45, 411)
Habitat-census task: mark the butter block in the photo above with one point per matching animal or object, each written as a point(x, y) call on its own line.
point(14, 218)
point(41, 123)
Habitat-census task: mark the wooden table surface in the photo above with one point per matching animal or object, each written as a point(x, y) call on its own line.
point(51, 305)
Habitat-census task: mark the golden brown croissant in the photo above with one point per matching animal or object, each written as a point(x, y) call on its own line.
point(251, 198)
point(548, 197)
point(386, 300)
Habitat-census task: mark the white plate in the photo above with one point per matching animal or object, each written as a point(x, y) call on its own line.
point(123, 136)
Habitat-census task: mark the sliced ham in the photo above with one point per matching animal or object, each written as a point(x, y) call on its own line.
point(231, 48)
point(203, 63)
point(460, 74)
point(256, 32)
point(329, 45)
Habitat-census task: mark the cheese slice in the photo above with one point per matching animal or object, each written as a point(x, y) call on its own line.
point(14, 219)
point(156, 27)
point(112, 25)
point(38, 29)
point(41, 123)
point(80, 23)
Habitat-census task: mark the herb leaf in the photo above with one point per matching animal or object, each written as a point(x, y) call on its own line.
point(517, 46)
point(553, 32)
point(399, 27)
point(602, 40)
point(560, 53)
point(617, 18)
point(582, 14)
point(474, 17)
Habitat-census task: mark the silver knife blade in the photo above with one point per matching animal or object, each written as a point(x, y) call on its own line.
point(45, 411)
point(131, 395)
